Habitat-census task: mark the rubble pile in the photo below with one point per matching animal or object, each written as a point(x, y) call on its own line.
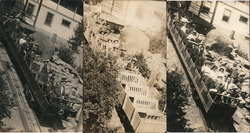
point(62, 80)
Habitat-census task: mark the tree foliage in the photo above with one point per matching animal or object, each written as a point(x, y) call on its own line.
point(66, 55)
point(163, 100)
point(78, 37)
point(142, 65)
point(5, 99)
point(158, 43)
point(100, 90)
point(177, 98)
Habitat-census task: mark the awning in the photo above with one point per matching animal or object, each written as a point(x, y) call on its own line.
point(28, 27)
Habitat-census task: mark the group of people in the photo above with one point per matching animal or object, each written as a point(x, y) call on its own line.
point(101, 35)
point(220, 75)
point(25, 44)
point(191, 38)
point(227, 78)
point(107, 39)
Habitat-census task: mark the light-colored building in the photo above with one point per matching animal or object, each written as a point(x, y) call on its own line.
point(149, 16)
point(230, 16)
point(57, 17)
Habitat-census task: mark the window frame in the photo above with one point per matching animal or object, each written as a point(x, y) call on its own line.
point(29, 15)
point(226, 16)
point(64, 24)
point(203, 5)
point(241, 16)
point(51, 19)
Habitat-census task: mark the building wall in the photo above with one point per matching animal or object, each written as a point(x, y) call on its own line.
point(149, 16)
point(60, 13)
point(237, 9)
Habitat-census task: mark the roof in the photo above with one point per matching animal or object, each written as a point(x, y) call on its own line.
point(112, 19)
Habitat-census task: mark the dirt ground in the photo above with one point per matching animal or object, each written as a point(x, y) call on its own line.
point(193, 115)
point(48, 47)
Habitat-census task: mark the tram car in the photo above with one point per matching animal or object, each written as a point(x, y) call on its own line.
point(36, 97)
point(212, 102)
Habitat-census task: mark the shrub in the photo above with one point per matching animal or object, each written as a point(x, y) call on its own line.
point(141, 64)
point(66, 55)
point(177, 98)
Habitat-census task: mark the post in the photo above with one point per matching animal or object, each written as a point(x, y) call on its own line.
point(58, 4)
point(113, 2)
point(200, 9)
point(26, 3)
point(212, 20)
point(37, 13)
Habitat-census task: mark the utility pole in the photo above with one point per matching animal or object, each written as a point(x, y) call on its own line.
point(37, 13)
point(200, 9)
point(113, 2)
point(26, 3)
point(212, 20)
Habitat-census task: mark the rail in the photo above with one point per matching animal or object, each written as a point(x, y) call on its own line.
point(29, 120)
point(23, 70)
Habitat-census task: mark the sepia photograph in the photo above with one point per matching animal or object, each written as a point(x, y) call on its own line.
point(124, 66)
point(41, 85)
point(208, 66)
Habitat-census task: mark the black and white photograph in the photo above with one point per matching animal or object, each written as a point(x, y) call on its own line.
point(144, 66)
point(124, 66)
point(41, 85)
point(208, 66)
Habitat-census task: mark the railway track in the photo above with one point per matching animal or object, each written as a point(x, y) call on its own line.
point(29, 120)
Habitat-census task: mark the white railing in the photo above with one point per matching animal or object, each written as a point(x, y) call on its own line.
point(135, 89)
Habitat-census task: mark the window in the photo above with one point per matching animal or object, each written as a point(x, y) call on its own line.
point(243, 19)
point(206, 7)
point(226, 15)
point(66, 23)
point(30, 10)
point(49, 18)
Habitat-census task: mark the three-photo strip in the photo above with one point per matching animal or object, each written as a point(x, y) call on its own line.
point(145, 66)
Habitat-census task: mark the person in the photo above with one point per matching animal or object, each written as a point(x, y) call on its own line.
point(221, 74)
point(192, 36)
point(234, 73)
point(131, 65)
point(184, 28)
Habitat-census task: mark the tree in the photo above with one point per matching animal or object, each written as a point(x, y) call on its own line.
point(5, 103)
point(66, 55)
point(100, 90)
point(177, 99)
point(78, 37)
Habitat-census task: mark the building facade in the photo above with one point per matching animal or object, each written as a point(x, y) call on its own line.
point(149, 16)
point(230, 16)
point(57, 17)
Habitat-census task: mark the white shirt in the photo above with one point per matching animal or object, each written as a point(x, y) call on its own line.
point(22, 41)
point(184, 29)
point(184, 20)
